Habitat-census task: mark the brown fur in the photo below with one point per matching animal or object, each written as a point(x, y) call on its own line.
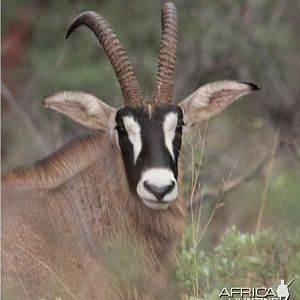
point(72, 229)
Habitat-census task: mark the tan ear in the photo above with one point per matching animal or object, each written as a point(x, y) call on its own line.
point(83, 108)
point(212, 98)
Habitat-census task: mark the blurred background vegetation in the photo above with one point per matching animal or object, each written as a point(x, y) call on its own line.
point(241, 168)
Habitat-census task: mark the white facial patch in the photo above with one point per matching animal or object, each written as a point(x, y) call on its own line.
point(169, 127)
point(134, 134)
point(158, 177)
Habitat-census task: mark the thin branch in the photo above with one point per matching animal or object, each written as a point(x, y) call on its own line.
point(23, 115)
point(266, 187)
point(215, 193)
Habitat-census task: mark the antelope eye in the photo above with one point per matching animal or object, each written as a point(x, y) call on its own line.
point(180, 125)
point(120, 128)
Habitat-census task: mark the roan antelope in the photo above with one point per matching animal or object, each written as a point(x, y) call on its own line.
point(101, 218)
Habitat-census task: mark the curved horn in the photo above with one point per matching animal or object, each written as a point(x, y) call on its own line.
point(167, 55)
point(115, 52)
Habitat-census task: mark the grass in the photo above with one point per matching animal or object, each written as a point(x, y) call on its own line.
point(255, 259)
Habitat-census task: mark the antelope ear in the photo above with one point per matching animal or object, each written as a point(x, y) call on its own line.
point(84, 108)
point(212, 98)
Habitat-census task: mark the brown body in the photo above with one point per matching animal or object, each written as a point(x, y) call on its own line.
point(73, 228)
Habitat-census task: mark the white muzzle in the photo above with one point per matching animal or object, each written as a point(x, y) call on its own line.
point(157, 188)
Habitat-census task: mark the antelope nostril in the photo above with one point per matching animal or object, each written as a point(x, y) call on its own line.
point(159, 191)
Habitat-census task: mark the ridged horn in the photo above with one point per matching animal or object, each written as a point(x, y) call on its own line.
point(163, 89)
point(115, 52)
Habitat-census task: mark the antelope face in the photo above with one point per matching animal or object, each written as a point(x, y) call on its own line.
point(150, 140)
point(148, 135)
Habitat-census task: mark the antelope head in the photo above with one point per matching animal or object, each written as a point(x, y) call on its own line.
point(148, 133)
